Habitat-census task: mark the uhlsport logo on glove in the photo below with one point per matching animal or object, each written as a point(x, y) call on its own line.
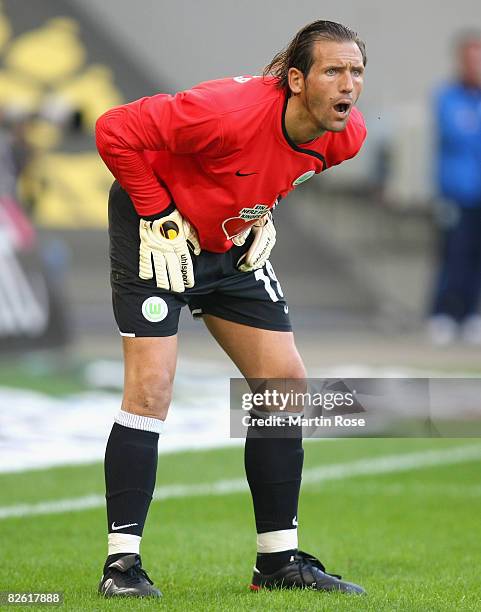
point(169, 230)
point(184, 268)
point(166, 247)
point(155, 309)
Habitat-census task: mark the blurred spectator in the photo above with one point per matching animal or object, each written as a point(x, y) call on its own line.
point(8, 175)
point(458, 126)
point(14, 154)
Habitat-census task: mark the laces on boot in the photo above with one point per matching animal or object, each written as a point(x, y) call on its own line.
point(305, 561)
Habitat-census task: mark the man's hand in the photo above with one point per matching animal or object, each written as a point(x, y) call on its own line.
point(261, 247)
point(166, 241)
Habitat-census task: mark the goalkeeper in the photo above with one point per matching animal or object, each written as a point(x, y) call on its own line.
point(198, 175)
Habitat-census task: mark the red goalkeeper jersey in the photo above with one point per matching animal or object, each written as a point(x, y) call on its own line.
point(219, 151)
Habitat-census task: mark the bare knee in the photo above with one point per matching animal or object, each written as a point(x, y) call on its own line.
point(149, 375)
point(288, 380)
point(290, 366)
point(296, 370)
point(148, 392)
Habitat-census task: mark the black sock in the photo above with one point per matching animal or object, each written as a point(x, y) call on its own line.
point(274, 467)
point(130, 471)
point(113, 558)
point(268, 563)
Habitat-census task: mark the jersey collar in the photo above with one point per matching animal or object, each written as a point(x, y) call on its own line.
point(291, 143)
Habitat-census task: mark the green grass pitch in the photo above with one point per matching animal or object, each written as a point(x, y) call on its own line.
point(411, 538)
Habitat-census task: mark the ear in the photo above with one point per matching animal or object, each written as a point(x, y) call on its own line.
point(296, 80)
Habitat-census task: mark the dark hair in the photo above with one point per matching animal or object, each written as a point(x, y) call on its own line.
point(299, 52)
point(466, 37)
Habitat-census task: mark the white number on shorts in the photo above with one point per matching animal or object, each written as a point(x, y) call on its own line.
point(260, 275)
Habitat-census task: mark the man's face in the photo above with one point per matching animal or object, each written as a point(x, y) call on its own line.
point(470, 63)
point(333, 84)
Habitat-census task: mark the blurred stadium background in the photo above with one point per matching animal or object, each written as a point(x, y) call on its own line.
point(356, 247)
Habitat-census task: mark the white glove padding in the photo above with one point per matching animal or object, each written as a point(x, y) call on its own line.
point(240, 239)
point(262, 245)
point(166, 241)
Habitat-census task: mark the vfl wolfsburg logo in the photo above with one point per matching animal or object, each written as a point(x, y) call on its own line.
point(304, 177)
point(155, 309)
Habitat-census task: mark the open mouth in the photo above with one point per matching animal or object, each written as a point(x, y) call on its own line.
point(342, 108)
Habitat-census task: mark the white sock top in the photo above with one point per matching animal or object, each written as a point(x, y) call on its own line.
point(124, 543)
point(277, 541)
point(135, 421)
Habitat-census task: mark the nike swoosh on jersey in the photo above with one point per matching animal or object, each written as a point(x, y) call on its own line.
point(239, 173)
point(117, 527)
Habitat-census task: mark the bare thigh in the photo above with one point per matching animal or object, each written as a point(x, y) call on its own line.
point(258, 353)
point(261, 353)
point(149, 370)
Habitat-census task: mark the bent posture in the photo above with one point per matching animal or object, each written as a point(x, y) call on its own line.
point(198, 175)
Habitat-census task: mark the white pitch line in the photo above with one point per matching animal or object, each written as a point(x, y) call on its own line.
point(386, 464)
point(393, 489)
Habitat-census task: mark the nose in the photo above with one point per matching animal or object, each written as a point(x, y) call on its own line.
point(346, 84)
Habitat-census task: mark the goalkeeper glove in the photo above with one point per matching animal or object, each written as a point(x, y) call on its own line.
point(166, 241)
point(261, 247)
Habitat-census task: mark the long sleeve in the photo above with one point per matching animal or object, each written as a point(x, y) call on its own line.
point(182, 124)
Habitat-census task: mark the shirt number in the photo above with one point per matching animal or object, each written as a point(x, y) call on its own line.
point(267, 278)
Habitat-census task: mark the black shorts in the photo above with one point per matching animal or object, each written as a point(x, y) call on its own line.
point(142, 309)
